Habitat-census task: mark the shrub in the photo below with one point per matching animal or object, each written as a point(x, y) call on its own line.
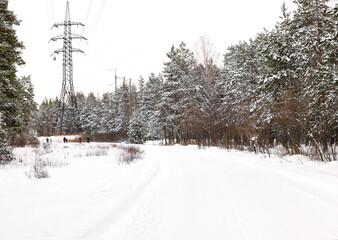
point(6, 154)
point(38, 169)
point(24, 139)
point(128, 154)
point(97, 151)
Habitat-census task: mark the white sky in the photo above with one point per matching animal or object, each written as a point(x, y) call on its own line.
point(130, 35)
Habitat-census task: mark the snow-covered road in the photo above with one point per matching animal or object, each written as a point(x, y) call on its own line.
point(173, 193)
point(210, 195)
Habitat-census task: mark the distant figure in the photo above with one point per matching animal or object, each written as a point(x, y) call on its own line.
point(64, 139)
point(50, 140)
point(47, 140)
point(88, 139)
point(80, 140)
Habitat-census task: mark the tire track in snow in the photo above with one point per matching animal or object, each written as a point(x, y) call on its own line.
point(118, 211)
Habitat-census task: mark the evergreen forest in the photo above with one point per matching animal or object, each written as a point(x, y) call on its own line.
point(278, 89)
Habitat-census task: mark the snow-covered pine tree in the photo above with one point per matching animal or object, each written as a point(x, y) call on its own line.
point(15, 94)
point(47, 117)
point(137, 127)
point(178, 74)
point(281, 85)
point(108, 114)
point(240, 77)
point(153, 91)
point(28, 109)
point(88, 118)
point(81, 103)
point(124, 100)
point(315, 26)
point(136, 130)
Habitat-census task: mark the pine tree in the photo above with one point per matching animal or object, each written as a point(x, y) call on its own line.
point(178, 74)
point(27, 113)
point(108, 114)
point(315, 26)
point(154, 115)
point(13, 91)
point(88, 115)
point(10, 57)
point(136, 130)
point(240, 76)
point(281, 85)
point(47, 117)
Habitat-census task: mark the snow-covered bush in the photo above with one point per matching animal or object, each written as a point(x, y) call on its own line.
point(38, 170)
point(97, 151)
point(128, 154)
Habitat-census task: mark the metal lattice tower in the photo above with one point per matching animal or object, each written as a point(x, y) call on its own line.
point(67, 102)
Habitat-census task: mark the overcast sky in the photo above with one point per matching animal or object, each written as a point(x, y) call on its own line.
point(130, 35)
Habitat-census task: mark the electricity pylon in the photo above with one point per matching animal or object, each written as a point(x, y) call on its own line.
point(67, 101)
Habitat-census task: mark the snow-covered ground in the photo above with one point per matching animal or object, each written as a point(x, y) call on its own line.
point(174, 192)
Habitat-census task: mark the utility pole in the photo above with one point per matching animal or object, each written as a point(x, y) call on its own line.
point(115, 78)
point(67, 101)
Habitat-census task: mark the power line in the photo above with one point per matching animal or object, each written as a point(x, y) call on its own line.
point(52, 11)
point(88, 10)
point(90, 4)
point(47, 12)
point(97, 18)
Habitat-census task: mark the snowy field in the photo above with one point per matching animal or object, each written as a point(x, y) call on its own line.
point(174, 193)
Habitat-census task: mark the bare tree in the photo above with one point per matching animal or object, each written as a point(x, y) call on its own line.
point(205, 52)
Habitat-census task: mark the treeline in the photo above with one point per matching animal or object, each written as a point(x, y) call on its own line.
point(17, 104)
point(277, 89)
point(107, 117)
